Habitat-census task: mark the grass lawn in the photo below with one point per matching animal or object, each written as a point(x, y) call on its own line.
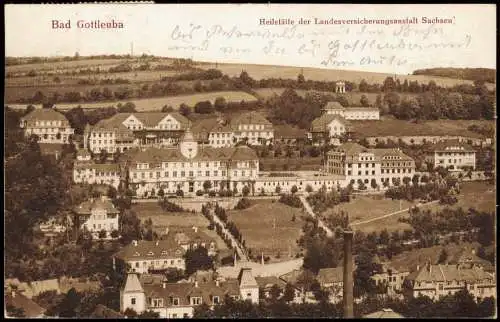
point(325, 74)
point(162, 219)
point(155, 104)
point(278, 164)
point(256, 225)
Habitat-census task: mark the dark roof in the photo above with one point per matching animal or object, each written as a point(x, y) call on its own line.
point(160, 249)
point(436, 273)
point(320, 124)
point(102, 311)
point(149, 119)
point(451, 146)
point(287, 131)
point(333, 106)
point(250, 118)
point(86, 207)
point(352, 150)
point(331, 275)
point(157, 155)
point(31, 309)
point(266, 282)
point(45, 114)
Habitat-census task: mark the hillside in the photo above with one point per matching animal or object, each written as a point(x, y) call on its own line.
point(474, 74)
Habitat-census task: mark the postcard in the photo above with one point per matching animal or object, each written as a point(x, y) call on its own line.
point(250, 160)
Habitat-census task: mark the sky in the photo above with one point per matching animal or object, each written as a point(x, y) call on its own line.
point(233, 33)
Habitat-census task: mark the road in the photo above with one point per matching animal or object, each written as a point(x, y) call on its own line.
point(309, 210)
point(391, 214)
point(242, 255)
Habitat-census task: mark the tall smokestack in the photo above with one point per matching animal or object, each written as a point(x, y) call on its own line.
point(348, 280)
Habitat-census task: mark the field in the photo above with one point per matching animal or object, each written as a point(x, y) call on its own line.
point(392, 127)
point(319, 74)
point(162, 219)
point(256, 226)
point(479, 195)
point(156, 104)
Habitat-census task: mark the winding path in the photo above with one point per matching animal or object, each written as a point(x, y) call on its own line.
point(243, 256)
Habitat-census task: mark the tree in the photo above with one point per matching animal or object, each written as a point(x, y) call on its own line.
point(102, 234)
point(289, 294)
point(275, 292)
point(130, 313)
point(220, 103)
point(207, 185)
point(149, 314)
point(130, 226)
point(167, 109)
point(364, 101)
point(197, 259)
point(294, 189)
point(309, 189)
point(204, 107)
point(245, 191)
point(365, 268)
point(16, 312)
point(389, 85)
point(184, 109)
point(443, 256)
point(278, 189)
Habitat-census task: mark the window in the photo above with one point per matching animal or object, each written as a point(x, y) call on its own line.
point(132, 301)
point(175, 301)
point(196, 300)
point(216, 300)
point(186, 315)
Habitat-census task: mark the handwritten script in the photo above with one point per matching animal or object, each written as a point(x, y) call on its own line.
point(324, 46)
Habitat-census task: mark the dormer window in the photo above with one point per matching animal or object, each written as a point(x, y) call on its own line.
point(164, 252)
point(196, 300)
point(216, 300)
point(150, 254)
point(175, 301)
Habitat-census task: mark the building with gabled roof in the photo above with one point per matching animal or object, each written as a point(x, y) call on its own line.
point(373, 168)
point(90, 172)
point(328, 128)
point(213, 132)
point(124, 131)
point(48, 124)
point(452, 154)
point(178, 300)
point(187, 166)
point(253, 128)
point(30, 309)
point(98, 215)
point(352, 113)
point(436, 281)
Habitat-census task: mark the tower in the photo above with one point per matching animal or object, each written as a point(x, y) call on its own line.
point(188, 145)
point(340, 87)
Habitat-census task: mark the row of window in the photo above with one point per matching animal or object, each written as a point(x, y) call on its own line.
point(48, 123)
point(367, 172)
point(157, 263)
point(182, 174)
point(221, 135)
point(252, 127)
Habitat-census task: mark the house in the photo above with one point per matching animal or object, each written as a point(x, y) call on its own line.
point(143, 255)
point(48, 124)
point(90, 172)
point(383, 314)
point(372, 167)
point(98, 216)
point(333, 280)
point(436, 281)
point(452, 154)
point(192, 238)
point(328, 128)
point(352, 113)
point(266, 284)
point(28, 308)
point(287, 134)
point(392, 277)
point(124, 131)
point(253, 128)
point(178, 300)
point(187, 166)
point(467, 258)
point(214, 132)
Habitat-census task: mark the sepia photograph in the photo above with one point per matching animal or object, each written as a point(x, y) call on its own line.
point(211, 161)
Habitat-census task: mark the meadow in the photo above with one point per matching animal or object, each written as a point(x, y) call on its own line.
point(257, 223)
point(320, 74)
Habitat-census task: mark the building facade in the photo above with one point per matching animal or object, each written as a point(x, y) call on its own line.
point(96, 215)
point(253, 128)
point(328, 128)
point(452, 154)
point(48, 124)
point(437, 281)
point(89, 172)
point(124, 131)
point(383, 167)
point(352, 113)
point(187, 166)
point(178, 300)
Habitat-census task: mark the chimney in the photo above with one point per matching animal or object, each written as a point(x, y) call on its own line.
point(348, 297)
point(217, 283)
point(164, 283)
point(195, 283)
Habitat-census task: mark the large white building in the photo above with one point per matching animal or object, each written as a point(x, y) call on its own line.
point(360, 164)
point(213, 132)
point(96, 215)
point(329, 128)
point(178, 300)
point(187, 166)
point(86, 171)
point(253, 128)
point(48, 124)
point(352, 113)
point(452, 154)
point(124, 131)
point(437, 281)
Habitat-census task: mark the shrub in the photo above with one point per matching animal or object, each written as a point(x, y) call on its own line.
point(212, 193)
point(291, 200)
point(244, 203)
point(199, 193)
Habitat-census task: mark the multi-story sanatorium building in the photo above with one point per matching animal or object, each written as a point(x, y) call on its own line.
point(124, 131)
point(187, 166)
point(48, 124)
point(358, 163)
